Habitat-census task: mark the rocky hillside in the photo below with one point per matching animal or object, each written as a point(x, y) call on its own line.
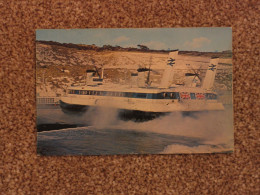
point(60, 65)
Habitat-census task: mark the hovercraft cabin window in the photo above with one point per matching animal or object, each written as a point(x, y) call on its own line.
point(76, 92)
point(128, 94)
point(140, 95)
point(211, 96)
point(192, 96)
point(164, 95)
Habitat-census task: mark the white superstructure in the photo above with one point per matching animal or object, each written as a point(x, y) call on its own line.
point(139, 96)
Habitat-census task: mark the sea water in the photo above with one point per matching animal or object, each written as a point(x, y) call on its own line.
point(99, 132)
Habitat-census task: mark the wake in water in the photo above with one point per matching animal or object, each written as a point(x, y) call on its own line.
point(214, 128)
point(204, 132)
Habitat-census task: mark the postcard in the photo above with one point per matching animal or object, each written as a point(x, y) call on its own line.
point(134, 91)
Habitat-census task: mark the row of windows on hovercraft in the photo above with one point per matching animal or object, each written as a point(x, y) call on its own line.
point(163, 95)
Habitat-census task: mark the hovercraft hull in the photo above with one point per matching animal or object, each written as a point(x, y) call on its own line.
point(73, 108)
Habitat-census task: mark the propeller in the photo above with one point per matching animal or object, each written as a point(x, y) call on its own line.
point(97, 71)
point(196, 73)
point(142, 69)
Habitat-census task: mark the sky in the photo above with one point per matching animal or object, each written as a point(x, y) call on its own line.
point(205, 39)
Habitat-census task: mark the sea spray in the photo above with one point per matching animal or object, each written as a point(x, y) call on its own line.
point(101, 117)
point(212, 130)
point(213, 127)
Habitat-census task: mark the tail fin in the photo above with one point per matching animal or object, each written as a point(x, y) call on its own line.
point(169, 70)
point(210, 74)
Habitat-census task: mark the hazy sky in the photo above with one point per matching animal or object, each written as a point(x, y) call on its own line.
point(196, 39)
